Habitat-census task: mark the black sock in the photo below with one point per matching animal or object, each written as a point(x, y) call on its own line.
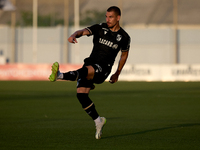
point(91, 111)
point(71, 75)
point(74, 75)
point(87, 105)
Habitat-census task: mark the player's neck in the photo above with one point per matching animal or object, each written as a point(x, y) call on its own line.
point(115, 28)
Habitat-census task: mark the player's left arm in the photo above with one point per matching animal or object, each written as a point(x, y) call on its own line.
point(122, 61)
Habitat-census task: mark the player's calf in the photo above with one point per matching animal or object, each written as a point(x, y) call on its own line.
point(87, 105)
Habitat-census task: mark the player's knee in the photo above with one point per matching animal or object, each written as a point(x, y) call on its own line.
point(84, 100)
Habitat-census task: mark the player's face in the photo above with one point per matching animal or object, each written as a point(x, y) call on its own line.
point(112, 19)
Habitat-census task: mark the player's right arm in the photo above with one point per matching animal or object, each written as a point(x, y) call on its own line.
point(77, 34)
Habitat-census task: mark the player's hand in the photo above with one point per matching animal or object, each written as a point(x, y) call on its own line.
point(114, 78)
point(72, 39)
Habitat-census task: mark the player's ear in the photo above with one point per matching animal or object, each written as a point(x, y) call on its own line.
point(118, 17)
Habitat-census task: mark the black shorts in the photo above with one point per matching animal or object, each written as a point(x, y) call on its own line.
point(101, 73)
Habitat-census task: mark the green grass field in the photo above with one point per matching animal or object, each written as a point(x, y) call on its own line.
point(140, 115)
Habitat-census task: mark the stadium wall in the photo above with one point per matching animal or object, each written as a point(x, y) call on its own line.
point(129, 73)
point(160, 73)
point(152, 45)
point(30, 71)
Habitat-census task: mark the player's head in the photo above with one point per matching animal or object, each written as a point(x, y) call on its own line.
point(113, 16)
point(115, 9)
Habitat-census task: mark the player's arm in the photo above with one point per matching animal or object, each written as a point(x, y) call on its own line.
point(77, 34)
point(122, 61)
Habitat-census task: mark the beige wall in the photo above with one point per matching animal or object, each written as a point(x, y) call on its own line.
point(148, 45)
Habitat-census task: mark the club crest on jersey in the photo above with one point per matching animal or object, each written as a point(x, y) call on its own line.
point(119, 37)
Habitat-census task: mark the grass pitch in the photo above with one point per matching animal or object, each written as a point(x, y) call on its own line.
point(140, 115)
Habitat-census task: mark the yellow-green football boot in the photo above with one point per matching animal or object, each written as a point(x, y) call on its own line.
point(54, 69)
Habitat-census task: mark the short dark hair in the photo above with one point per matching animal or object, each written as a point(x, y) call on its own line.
point(115, 9)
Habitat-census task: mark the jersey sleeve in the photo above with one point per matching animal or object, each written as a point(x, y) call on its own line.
point(93, 29)
point(126, 44)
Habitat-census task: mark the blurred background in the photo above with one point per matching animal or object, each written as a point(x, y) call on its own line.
point(165, 35)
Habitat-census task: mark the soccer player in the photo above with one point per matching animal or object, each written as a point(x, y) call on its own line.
point(108, 39)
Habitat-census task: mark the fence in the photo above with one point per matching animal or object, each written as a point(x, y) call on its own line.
point(148, 45)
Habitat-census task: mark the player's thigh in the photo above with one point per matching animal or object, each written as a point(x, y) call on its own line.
point(90, 75)
point(101, 73)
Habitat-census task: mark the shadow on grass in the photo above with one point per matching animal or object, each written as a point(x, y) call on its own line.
point(154, 130)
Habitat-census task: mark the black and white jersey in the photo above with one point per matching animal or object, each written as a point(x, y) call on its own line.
point(107, 44)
